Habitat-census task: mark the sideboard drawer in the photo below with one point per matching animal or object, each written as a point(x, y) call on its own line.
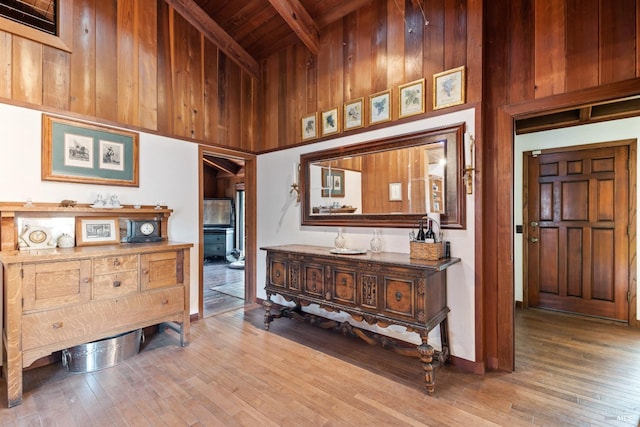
point(115, 284)
point(159, 270)
point(314, 280)
point(399, 297)
point(113, 264)
point(344, 286)
point(67, 323)
point(277, 273)
point(56, 284)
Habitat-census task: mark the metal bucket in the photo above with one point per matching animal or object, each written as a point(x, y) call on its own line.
point(102, 354)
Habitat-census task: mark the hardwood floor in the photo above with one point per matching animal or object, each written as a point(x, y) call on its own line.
point(223, 288)
point(570, 371)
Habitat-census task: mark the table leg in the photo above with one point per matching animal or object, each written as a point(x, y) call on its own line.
point(426, 357)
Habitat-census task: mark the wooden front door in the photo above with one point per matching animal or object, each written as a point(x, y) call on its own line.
point(577, 241)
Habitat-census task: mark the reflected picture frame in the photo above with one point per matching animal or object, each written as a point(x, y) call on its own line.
point(380, 107)
point(332, 182)
point(449, 88)
point(353, 114)
point(80, 152)
point(330, 122)
point(91, 231)
point(411, 98)
point(395, 191)
point(309, 127)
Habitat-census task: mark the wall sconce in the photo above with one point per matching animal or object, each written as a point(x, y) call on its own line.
point(469, 169)
point(294, 186)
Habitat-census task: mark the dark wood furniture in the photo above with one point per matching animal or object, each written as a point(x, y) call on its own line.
point(384, 289)
point(218, 241)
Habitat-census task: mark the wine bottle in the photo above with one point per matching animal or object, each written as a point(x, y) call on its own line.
point(420, 236)
point(429, 235)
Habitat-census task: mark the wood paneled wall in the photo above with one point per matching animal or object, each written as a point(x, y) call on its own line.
point(543, 53)
point(139, 64)
point(376, 48)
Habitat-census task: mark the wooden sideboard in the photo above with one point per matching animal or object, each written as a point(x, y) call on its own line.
point(382, 288)
point(59, 298)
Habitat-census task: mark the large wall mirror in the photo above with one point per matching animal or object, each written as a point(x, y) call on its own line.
point(391, 182)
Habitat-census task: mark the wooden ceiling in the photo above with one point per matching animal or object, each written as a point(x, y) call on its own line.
point(251, 30)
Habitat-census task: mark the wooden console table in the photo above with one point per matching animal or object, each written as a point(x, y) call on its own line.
point(384, 289)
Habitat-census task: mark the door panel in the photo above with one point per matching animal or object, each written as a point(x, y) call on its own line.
point(578, 209)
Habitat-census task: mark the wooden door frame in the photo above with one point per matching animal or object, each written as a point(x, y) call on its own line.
point(500, 327)
point(250, 220)
point(632, 184)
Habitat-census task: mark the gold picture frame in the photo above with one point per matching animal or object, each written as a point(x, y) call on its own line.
point(353, 114)
point(309, 127)
point(380, 107)
point(92, 230)
point(411, 98)
point(74, 151)
point(449, 88)
point(330, 122)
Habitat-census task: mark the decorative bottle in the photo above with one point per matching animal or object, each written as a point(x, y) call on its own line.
point(420, 236)
point(340, 241)
point(429, 235)
point(376, 242)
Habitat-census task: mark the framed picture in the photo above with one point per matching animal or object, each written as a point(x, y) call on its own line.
point(449, 88)
point(97, 231)
point(310, 127)
point(75, 151)
point(332, 183)
point(353, 113)
point(380, 107)
point(330, 122)
point(411, 98)
point(395, 191)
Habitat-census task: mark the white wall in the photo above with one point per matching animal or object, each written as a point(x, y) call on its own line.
point(279, 222)
point(566, 137)
point(168, 174)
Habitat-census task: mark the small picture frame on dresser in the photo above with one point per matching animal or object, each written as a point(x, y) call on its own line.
point(97, 231)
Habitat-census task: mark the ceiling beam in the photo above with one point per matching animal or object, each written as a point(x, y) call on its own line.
point(214, 32)
point(297, 17)
point(340, 11)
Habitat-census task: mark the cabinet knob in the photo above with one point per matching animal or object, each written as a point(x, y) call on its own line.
point(165, 301)
point(145, 271)
point(398, 296)
point(116, 283)
point(327, 296)
point(57, 325)
point(277, 274)
point(116, 262)
point(344, 281)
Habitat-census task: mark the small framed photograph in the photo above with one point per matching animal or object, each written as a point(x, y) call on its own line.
point(332, 183)
point(330, 122)
point(449, 88)
point(380, 107)
point(411, 98)
point(353, 113)
point(310, 126)
point(97, 231)
point(395, 191)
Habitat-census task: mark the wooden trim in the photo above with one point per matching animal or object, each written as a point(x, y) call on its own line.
point(63, 41)
point(250, 221)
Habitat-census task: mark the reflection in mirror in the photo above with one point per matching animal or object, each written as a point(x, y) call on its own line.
point(391, 182)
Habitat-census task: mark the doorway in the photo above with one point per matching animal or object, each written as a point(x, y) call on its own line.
point(223, 216)
point(576, 245)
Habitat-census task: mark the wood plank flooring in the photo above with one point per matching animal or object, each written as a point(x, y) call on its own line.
point(223, 288)
point(570, 371)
